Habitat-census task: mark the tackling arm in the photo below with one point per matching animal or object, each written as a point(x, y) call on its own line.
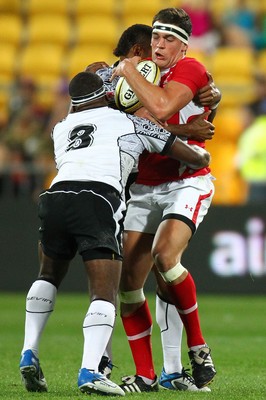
point(199, 128)
point(209, 96)
point(193, 156)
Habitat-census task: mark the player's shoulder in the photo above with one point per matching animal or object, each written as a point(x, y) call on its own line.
point(64, 121)
point(103, 72)
point(191, 62)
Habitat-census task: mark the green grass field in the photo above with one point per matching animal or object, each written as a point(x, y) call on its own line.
point(234, 327)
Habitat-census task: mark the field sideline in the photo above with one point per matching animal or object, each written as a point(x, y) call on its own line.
point(234, 327)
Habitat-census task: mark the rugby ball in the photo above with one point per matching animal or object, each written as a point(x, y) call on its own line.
point(125, 98)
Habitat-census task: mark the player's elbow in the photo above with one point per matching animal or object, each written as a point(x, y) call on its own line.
point(205, 160)
point(202, 158)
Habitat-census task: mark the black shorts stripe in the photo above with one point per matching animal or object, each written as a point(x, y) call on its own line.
point(182, 218)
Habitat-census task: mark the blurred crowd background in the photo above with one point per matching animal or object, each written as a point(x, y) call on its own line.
point(44, 43)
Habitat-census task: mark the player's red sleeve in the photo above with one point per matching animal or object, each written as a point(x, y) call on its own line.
point(191, 73)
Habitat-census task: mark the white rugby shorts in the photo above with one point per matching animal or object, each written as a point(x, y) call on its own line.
point(187, 200)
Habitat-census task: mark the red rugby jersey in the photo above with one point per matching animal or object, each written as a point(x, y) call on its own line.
point(155, 169)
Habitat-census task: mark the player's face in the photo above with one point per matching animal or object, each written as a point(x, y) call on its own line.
point(137, 50)
point(166, 49)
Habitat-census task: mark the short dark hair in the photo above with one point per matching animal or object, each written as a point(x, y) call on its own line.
point(135, 34)
point(175, 16)
point(84, 83)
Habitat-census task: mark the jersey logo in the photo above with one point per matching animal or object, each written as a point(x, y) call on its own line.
point(81, 136)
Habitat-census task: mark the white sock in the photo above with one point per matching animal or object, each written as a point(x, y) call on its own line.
point(97, 329)
point(108, 351)
point(171, 327)
point(40, 303)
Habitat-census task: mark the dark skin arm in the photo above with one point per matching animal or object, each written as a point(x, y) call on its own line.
point(193, 156)
point(209, 96)
point(199, 128)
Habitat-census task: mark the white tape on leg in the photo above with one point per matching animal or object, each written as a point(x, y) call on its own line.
point(173, 273)
point(132, 297)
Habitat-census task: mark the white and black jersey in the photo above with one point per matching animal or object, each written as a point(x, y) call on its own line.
point(109, 85)
point(103, 145)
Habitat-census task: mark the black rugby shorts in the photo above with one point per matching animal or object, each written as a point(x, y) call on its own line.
point(83, 217)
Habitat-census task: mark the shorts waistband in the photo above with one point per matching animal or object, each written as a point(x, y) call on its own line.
point(77, 186)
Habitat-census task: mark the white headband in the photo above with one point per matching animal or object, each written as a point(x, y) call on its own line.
point(174, 30)
point(86, 98)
